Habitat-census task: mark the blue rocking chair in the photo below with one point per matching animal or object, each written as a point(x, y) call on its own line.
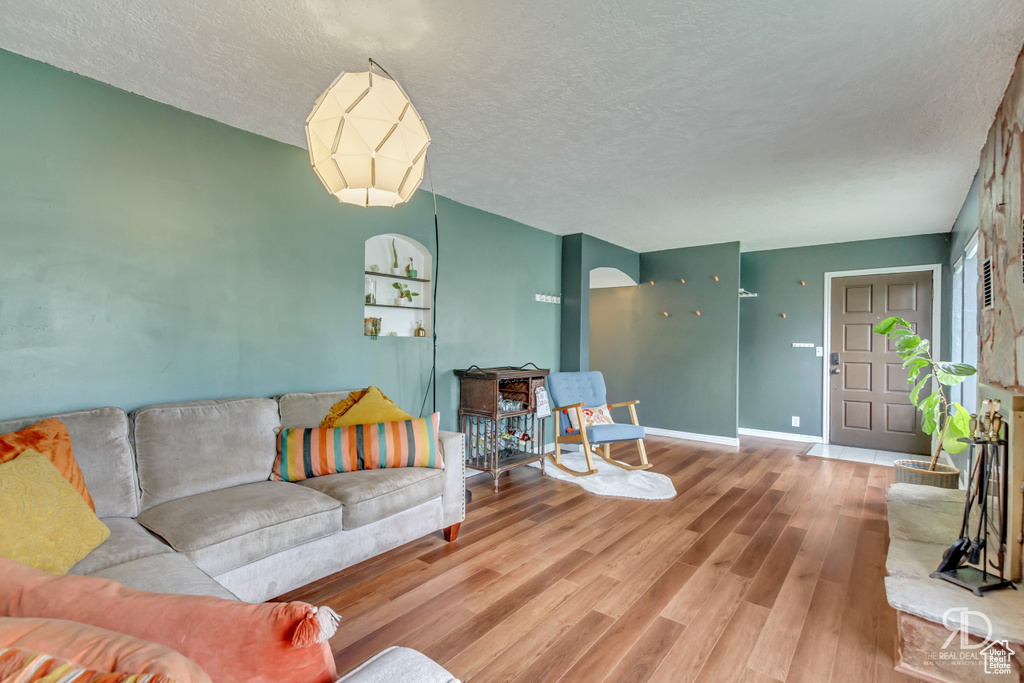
point(575, 391)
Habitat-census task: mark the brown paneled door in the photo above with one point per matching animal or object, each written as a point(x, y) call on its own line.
point(870, 398)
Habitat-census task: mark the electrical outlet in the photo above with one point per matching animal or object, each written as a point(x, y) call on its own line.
point(796, 421)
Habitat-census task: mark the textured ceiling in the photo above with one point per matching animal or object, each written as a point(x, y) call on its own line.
point(649, 124)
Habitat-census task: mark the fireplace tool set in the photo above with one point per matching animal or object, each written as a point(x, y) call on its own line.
point(966, 563)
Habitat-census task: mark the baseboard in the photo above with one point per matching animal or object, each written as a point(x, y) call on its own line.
point(786, 436)
point(691, 436)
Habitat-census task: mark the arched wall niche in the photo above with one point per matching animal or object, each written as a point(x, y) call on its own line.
point(399, 317)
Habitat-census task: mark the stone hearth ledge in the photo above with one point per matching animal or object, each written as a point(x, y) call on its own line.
point(923, 522)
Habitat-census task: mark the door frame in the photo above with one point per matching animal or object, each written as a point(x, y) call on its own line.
point(936, 270)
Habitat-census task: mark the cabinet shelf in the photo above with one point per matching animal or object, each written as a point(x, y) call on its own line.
point(411, 308)
point(396, 277)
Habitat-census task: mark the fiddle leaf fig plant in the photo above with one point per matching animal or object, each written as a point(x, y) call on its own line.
point(946, 421)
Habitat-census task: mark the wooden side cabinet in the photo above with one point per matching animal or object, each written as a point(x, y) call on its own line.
point(498, 415)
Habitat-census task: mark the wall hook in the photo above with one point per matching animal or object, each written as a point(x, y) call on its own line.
point(697, 312)
point(665, 313)
point(652, 282)
point(683, 280)
point(783, 315)
point(716, 278)
point(803, 283)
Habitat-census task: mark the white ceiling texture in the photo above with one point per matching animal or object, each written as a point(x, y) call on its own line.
point(652, 124)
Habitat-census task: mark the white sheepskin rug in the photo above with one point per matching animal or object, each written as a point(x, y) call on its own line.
point(610, 480)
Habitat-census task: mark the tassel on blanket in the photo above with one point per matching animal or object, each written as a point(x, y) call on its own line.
point(320, 624)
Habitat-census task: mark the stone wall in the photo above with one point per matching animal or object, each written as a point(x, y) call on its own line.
point(1001, 352)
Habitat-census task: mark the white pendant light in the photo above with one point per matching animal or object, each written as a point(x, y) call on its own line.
point(366, 141)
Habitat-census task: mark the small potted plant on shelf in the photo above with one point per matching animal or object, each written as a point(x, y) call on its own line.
point(395, 268)
point(946, 421)
point(404, 294)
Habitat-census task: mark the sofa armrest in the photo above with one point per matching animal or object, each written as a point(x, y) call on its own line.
point(453, 500)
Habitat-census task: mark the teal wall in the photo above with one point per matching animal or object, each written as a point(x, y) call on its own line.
point(580, 254)
point(155, 255)
point(682, 368)
point(966, 221)
point(778, 381)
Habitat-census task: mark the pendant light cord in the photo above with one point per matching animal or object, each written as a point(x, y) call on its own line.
point(432, 379)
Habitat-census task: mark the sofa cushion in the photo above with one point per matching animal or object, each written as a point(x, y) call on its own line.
point(371, 495)
point(399, 664)
point(164, 573)
point(100, 444)
point(308, 410)
point(128, 541)
point(225, 529)
point(189, 448)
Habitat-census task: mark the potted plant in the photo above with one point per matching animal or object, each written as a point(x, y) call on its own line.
point(395, 268)
point(946, 421)
point(404, 294)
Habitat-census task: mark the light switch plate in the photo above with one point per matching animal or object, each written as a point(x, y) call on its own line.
point(796, 421)
point(819, 351)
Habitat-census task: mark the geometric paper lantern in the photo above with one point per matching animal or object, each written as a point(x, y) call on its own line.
point(366, 141)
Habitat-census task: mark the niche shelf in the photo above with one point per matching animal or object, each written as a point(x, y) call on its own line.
point(379, 292)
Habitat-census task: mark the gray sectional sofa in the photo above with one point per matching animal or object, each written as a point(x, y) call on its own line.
point(185, 491)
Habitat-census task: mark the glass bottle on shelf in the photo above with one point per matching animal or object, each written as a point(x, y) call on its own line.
point(371, 291)
point(420, 330)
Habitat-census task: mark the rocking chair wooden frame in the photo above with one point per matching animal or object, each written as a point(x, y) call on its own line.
point(603, 450)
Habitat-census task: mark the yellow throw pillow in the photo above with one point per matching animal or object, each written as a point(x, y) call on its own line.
point(373, 408)
point(46, 523)
point(341, 407)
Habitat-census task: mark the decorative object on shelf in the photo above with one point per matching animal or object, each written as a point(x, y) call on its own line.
point(966, 563)
point(409, 270)
point(420, 330)
point(498, 415)
point(375, 268)
point(404, 293)
point(371, 327)
point(395, 269)
point(947, 422)
point(371, 291)
point(367, 143)
point(392, 334)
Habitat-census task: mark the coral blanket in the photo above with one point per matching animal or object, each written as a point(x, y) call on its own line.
point(232, 641)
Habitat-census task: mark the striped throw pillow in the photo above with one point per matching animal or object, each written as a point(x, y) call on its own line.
point(313, 452)
point(23, 666)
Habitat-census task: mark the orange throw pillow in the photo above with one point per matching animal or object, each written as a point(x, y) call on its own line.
point(96, 648)
point(233, 641)
point(49, 437)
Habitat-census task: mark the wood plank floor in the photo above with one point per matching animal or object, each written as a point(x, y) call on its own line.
point(767, 566)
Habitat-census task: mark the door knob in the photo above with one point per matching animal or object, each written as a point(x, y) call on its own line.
point(835, 371)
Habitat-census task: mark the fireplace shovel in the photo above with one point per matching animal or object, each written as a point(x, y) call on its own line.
point(955, 554)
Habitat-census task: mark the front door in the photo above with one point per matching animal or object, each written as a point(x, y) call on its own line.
point(869, 395)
